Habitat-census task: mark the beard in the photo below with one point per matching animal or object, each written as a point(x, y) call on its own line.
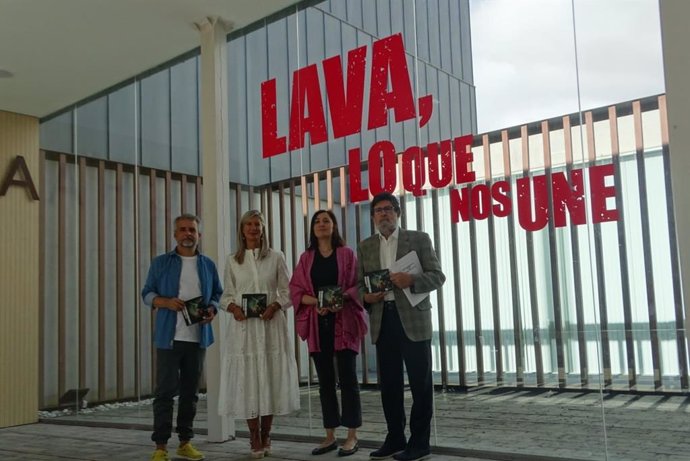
point(387, 227)
point(188, 243)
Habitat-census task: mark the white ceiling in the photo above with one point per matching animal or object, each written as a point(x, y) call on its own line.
point(62, 51)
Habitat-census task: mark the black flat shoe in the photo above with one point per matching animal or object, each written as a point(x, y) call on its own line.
point(413, 455)
point(351, 451)
point(386, 451)
point(326, 449)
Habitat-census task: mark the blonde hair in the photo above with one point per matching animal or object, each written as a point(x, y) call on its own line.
point(242, 244)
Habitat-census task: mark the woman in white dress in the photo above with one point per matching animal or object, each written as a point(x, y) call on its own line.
point(259, 373)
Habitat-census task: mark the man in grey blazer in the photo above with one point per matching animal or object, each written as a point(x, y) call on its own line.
point(401, 332)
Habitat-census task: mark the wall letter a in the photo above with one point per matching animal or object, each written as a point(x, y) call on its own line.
point(19, 164)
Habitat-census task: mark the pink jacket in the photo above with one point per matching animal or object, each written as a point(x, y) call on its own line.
point(350, 322)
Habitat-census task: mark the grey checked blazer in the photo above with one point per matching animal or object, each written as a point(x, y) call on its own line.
point(415, 320)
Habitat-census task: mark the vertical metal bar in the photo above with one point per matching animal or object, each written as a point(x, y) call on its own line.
point(317, 192)
point(268, 195)
point(305, 208)
point(293, 242)
point(168, 210)
point(419, 215)
point(646, 246)
point(136, 301)
point(534, 300)
point(514, 283)
point(553, 250)
point(623, 250)
point(401, 194)
point(62, 272)
point(439, 295)
point(358, 238)
point(281, 211)
point(673, 243)
point(153, 231)
point(198, 196)
point(493, 270)
point(403, 210)
point(343, 203)
point(577, 275)
point(83, 270)
point(262, 200)
point(238, 202)
point(305, 228)
point(119, 282)
point(251, 197)
point(41, 278)
point(459, 321)
point(329, 189)
point(476, 298)
point(183, 194)
point(599, 255)
point(102, 365)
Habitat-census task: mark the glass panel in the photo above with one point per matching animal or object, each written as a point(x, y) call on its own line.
point(619, 58)
point(552, 300)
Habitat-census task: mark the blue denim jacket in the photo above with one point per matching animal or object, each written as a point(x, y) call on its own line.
point(164, 280)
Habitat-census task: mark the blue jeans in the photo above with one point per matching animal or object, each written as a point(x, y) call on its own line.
point(178, 371)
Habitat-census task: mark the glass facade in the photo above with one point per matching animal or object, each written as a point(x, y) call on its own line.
point(558, 240)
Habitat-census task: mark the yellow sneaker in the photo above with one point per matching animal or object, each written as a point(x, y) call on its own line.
point(187, 451)
point(160, 455)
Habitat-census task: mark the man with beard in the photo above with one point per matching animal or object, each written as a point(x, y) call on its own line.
point(401, 331)
point(175, 277)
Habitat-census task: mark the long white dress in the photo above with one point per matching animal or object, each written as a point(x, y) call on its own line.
point(259, 372)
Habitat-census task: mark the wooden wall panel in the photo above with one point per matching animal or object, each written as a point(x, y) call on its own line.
point(19, 274)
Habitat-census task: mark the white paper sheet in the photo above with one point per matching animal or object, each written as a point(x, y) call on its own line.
point(410, 264)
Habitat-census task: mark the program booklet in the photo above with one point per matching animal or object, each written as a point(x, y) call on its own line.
point(194, 310)
point(331, 297)
point(254, 304)
point(377, 281)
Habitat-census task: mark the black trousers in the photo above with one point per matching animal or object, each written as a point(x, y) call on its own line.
point(393, 348)
point(178, 371)
point(346, 363)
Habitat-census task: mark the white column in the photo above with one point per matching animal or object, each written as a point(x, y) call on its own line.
point(675, 37)
point(215, 198)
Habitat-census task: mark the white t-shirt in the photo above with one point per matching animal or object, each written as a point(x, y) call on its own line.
point(190, 287)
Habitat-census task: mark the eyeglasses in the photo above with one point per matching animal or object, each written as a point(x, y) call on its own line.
point(383, 209)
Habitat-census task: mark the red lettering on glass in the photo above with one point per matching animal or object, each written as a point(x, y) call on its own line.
point(459, 204)
point(272, 144)
point(413, 171)
point(426, 107)
point(346, 107)
point(600, 192)
point(306, 94)
point(357, 193)
point(463, 159)
point(566, 197)
point(389, 64)
point(500, 192)
point(527, 220)
point(481, 201)
point(440, 166)
point(382, 154)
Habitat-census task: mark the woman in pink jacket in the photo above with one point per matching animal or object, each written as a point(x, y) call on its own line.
point(333, 326)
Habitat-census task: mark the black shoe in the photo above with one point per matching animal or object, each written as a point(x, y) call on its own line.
point(326, 449)
point(386, 451)
point(351, 451)
point(413, 455)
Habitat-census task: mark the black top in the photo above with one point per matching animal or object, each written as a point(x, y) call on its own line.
point(324, 271)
